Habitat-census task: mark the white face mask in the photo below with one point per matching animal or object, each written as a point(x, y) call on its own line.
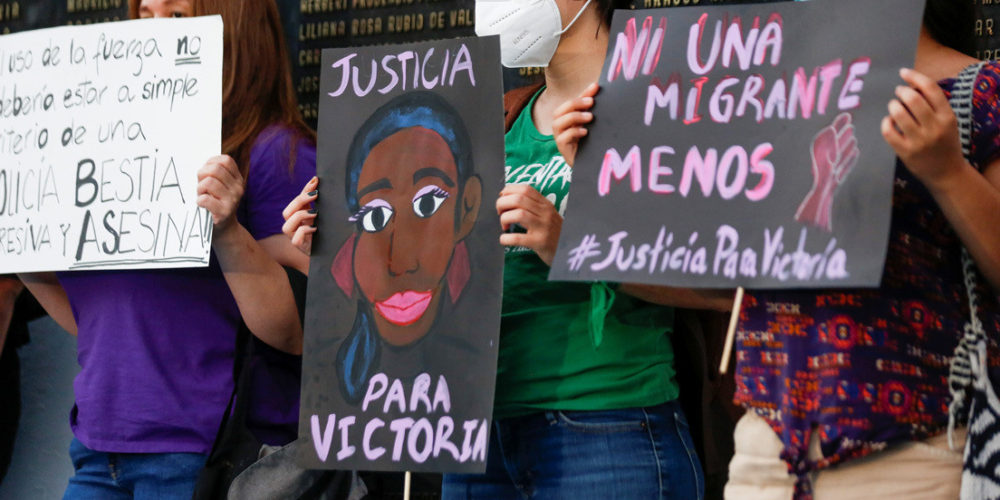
point(529, 29)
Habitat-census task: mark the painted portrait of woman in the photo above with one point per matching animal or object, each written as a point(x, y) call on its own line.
point(413, 199)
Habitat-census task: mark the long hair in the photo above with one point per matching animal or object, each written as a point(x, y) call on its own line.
point(607, 8)
point(952, 23)
point(358, 356)
point(257, 88)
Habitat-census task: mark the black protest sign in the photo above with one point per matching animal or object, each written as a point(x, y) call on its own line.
point(102, 131)
point(403, 305)
point(740, 145)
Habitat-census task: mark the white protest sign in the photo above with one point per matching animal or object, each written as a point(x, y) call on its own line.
point(102, 131)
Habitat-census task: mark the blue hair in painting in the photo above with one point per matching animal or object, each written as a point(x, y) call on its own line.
point(358, 356)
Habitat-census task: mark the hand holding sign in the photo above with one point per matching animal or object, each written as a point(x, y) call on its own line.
point(921, 129)
point(523, 205)
point(300, 219)
point(571, 118)
point(220, 189)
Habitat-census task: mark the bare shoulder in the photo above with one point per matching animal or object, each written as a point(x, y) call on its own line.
point(944, 63)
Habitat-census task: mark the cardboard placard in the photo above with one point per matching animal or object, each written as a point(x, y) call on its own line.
point(102, 131)
point(403, 307)
point(740, 145)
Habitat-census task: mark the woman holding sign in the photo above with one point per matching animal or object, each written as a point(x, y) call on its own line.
point(880, 378)
point(156, 348)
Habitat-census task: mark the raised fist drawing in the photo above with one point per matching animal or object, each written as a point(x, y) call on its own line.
point(834, 153)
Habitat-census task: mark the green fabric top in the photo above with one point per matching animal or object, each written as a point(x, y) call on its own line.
point(571, 346)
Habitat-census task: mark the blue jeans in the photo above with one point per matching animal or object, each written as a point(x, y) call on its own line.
point(635, 453)
point(125, 476)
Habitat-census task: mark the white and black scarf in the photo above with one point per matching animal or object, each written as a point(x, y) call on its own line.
point(973, 397)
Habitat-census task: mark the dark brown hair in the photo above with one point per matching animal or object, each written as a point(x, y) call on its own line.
point(257, 88)
point(607, 8)
point(952, 23)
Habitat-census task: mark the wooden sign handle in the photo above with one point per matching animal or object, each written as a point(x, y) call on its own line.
point(727, 350)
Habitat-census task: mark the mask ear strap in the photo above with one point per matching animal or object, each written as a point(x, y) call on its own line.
point(570, 25)
point(342, 267)
point(459, 271)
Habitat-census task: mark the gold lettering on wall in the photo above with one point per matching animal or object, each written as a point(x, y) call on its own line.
point(309, 111)
point(74, 6)
point(324, 30)
point(376, 4)
point(366, 26)
point(653, 4)
point(461, 18)
point(308, 84)
point(322, 6)
point(92, 20)
point(10, 11)
point(405, 23)
point(984, 27)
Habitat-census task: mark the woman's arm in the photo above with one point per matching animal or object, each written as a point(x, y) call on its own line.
point(971, 202)
point(51, 295)
point(252, 269)
point(260, 286)
point(923, 130)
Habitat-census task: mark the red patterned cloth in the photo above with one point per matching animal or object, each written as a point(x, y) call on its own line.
point(866, 368)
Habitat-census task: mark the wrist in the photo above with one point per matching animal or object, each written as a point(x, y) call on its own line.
point(546, 258)
point(8, 298)
point(950, 180)
point(226, 233)
point(10, 288)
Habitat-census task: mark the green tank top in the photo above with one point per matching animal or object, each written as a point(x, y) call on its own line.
point(571, 346)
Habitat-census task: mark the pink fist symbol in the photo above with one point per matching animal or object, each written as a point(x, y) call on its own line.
point(834, 153)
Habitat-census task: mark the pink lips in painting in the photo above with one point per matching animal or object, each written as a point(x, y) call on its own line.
point(404, 308)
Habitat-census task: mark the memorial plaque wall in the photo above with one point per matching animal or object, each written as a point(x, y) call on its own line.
point(317, 24)
point(23, 15)
point(344, 23)
point(987, 26)
point(312, 25)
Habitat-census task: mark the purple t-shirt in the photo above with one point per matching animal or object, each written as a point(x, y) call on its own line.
point(156, 347)
point(275, 375)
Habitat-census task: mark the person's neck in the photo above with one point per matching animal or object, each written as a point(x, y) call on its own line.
point(938, 61)
point(576, 64)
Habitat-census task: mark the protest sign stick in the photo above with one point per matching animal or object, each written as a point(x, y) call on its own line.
point(727, 351)
point(406, 486)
